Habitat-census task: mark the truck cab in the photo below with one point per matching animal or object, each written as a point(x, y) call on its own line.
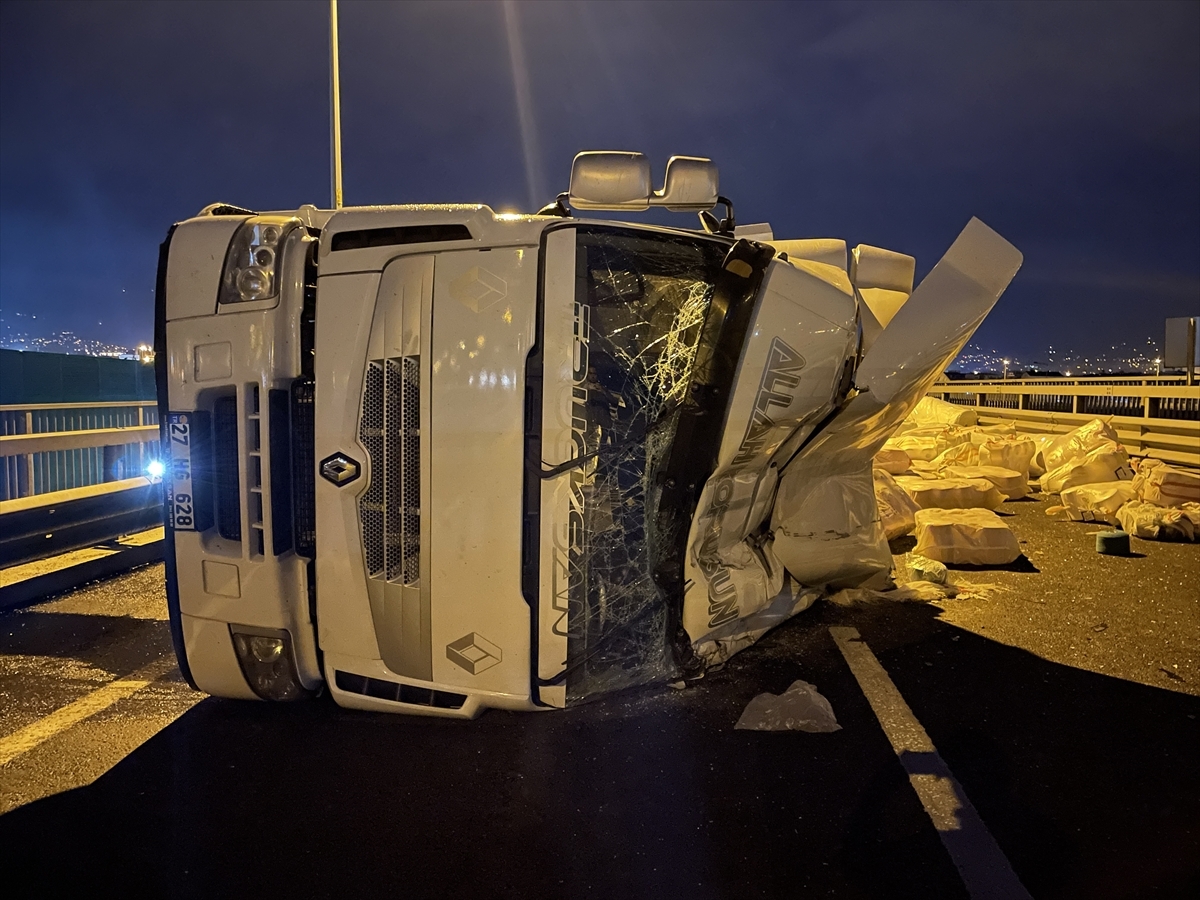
point(436, 459)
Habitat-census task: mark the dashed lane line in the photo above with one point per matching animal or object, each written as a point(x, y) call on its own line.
point(981, 863)
point(25, 739)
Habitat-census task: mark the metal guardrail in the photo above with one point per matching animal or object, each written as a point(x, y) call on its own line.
point(1156, 417)
point(49, 447)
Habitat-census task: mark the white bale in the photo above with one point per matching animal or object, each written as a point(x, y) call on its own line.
point(922, 448)
point(964, 454)
point(1078, 443)
point(1157, 523)
point(1097, 502)
point(874, 267)
point(1013, 485)
point(896, 507)
point(1037, 465)
point(1106, 462)
point(892, 461)
point(965, 537)
point(932, 411)
point(1164, 485)
point(951, 493)
point(1014, 453)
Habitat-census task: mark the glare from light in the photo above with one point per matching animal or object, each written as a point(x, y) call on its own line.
point(155, 469)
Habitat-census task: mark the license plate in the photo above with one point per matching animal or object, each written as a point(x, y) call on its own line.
point(178, 477)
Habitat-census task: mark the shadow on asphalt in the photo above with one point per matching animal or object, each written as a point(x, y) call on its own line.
point(119, 644)
point(1090, 785)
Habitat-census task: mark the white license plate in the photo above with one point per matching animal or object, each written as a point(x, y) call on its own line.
point(178, 477)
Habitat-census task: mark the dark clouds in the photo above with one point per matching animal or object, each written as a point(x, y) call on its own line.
point(1073, 129)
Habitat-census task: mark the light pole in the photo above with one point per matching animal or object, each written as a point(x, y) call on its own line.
point(1005, 375)
point(1158, 367)
point(335, 116)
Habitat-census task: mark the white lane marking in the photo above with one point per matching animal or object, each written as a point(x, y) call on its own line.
point(25, 739)
point(982, 865)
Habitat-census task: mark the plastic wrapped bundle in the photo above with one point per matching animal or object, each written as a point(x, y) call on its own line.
point(1157, 523)
point(917, 447)
point(932, 411)
point(1011, 484)
point(965, 537)
point(1164, 485)
point(896, 508)
point(894, 462)
point(951, 493)
point(1077, 444)
point(1013, 453)
point(963, 454)
point(1095, 502)
point(1106, 462)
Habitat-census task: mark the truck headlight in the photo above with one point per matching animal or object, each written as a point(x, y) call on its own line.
point(251, 265)
point(265, 655)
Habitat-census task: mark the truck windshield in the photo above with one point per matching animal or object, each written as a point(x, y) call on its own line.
point(642, 298)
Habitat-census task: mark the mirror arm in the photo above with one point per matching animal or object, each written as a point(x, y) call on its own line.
point(727, 223)
point(557, 208)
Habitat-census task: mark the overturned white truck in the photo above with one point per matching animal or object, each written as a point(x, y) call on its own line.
point(438, 459)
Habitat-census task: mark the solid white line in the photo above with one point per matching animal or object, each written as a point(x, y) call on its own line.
point(25, 739)
point(983, 866)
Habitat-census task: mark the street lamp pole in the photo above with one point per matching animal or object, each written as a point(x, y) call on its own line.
point(335, 123)
point(1005, 375)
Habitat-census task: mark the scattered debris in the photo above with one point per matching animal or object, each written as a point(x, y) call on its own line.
point(800, 708)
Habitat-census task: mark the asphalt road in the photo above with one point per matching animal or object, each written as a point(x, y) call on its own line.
point(1077, 745)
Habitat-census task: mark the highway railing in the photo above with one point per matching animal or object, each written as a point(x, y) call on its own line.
point(1155, 417)
point(48, 447)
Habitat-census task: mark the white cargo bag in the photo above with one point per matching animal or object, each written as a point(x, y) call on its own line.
point(896, 508)
point(1095, 502)
point(894, 462)
point(1011, 484)
point(963, 454)
point(951, 493)
point(917, 447)
point(1164, 485)
point(1107, 462)
point(965, 537)
point(1077, 444)
point(932, 411)
point(1012, 453)
point(1157, 523)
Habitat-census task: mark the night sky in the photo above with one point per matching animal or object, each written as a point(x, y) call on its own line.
point(1072, 129)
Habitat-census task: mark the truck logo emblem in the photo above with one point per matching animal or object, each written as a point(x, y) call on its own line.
point(474, 653)
point(339, 469)
point(477, 289)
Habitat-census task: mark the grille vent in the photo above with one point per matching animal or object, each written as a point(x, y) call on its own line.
point(390, 508)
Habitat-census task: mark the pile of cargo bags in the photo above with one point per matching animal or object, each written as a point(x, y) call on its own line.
point(942, 476)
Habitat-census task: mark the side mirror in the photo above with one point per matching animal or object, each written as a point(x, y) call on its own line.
point(604, 179)
point(691, 184)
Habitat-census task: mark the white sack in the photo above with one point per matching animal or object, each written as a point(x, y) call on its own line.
point(1013, 453)
point(896, 507)
point(1107, 462)
point(1097, 502)
point(1164, 485)
point(961, 454)
point(1077, 444)
point(1012, 485)
point(800, 708)
point(951, 493)
point(932, 411)
point(917, 447)
point(1037, 465)
point(1157, 523)
point(828, 531)
point(965, 537)
point(895, 462)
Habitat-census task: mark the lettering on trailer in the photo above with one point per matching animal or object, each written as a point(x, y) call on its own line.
point(780, 378)
point(569, 556)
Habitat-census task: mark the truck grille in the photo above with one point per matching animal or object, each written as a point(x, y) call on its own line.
point(390, 508)
point(226, 486)
point(304, 469)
